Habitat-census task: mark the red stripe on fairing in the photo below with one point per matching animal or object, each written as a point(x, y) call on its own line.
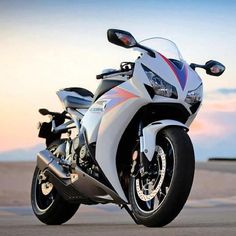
point(186, 74)
point(119, 92)
point(117, 96)
point(170, 65)
point(182, 83)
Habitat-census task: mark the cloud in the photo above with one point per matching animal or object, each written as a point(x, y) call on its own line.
point(226, 91)
point(226, 105)
point(214, 130)
point(224, 94)
point(215, 118)
point(206, 127)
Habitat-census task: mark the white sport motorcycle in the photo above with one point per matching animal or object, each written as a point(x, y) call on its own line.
point(129, 144)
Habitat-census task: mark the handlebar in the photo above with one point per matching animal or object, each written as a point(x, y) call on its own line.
point(126, 69)
point(108, 73)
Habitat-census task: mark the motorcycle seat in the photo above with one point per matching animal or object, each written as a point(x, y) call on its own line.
point(80, 91)
point(77, 102)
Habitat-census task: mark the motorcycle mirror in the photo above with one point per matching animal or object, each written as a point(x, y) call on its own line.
point(121, 38)
point(125, 39)
point(44, 111)
point(214, 68)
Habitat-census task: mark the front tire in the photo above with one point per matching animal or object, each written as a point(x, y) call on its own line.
point(158, 196)
point(48, 206)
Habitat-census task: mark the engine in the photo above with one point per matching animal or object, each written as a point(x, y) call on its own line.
point(84, 156)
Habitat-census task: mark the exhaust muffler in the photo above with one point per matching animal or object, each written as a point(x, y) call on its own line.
point(45, 159)
point(77, 186)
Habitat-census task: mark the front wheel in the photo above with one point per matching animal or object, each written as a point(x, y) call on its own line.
point(158, 195)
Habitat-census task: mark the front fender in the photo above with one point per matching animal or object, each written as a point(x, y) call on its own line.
point(150, 132)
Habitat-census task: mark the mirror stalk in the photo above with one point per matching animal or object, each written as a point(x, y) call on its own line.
point(150, 52)
point(194, 66)
point(213, 68)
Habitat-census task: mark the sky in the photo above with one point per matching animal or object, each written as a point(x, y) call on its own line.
point(48, 45)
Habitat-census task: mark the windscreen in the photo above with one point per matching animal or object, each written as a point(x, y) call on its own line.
point(164, 46)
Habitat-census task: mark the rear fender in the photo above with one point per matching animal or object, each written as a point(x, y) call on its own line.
point(150, 132)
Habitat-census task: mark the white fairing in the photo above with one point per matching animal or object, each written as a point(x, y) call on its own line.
point(106, 121)
point(62, 94)
point(113, 125)
point(91, 121)
point(150, 132)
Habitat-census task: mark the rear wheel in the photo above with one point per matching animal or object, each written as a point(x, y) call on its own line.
point(158, 196)
point(47, 204)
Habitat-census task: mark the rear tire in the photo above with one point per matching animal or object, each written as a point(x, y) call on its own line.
point(174, 187)
point(49, 207)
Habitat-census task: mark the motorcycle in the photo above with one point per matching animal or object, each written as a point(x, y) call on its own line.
point(126, 144)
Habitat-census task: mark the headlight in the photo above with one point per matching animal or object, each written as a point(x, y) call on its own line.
point(160, 86)
point(194, 96)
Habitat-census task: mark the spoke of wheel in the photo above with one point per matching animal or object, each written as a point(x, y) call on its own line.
point(155, 203)
point(148, 203)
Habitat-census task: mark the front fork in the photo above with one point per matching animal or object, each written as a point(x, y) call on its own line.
point(141, 151)
point(141, 155)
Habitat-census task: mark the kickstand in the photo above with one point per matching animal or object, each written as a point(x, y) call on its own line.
point(130, 213)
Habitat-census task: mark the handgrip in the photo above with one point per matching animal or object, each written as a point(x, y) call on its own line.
point(108, 73)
